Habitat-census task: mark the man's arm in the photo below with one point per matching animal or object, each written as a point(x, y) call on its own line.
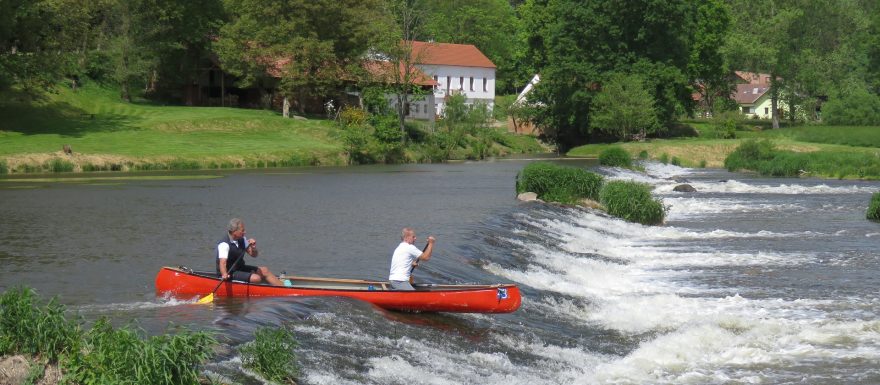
point(252, 248)
point(222, 255)
point(426, 255)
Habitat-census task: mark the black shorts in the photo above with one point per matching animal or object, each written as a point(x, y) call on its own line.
point(243, 273)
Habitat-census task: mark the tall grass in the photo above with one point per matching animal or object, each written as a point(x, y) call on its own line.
point(122, 356)
point(27, 327)
point(271, 354)
point(633, 202)
point(874, 207)
point(559, 183)
point(615, 157)
point(102, 355)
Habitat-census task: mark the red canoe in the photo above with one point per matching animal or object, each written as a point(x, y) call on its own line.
point(181, 282)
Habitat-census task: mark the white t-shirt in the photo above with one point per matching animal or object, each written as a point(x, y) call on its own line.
point(401, 261)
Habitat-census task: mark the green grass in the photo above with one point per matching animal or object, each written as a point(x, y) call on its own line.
point(615, 156)
point(873, 212)
point(632, 201)
point(271, 354)
point(558, 183)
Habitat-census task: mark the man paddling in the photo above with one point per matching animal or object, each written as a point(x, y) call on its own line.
point(406, 257)
point(233, 247)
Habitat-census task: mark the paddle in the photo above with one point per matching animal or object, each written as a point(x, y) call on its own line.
point(210, 297)
point(416, 264)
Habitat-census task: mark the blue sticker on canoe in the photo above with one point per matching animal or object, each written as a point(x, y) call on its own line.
point(502, 293)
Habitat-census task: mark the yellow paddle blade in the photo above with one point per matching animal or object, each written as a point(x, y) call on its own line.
point(207, 299)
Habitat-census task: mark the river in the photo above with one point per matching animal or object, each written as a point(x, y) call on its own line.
point(750, 281)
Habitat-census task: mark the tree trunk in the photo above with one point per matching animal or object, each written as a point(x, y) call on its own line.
point(774, 100)
point(401, 115)
point(285, 110)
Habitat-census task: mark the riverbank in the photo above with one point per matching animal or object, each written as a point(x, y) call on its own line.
point(91, 130)
point(835, 143)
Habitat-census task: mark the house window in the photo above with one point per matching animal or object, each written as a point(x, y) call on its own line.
point(436, 80)
point(472, 83)
point(766, 110)
point(448, 81)
point(745, 110)
point(461, 83)
point(485, 85)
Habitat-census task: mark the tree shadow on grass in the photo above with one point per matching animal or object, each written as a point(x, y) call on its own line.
point(59, 118)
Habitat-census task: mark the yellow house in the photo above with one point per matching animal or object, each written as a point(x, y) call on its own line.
point(753, 97)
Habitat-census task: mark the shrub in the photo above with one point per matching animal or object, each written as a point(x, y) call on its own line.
point(703, 163)
point(121, 356)
point(675, 161)
point(749, 154)
point(4, 168)
point(726, 123)
point(615, 156)
point(874, 207)
point(558, 183)
point(664, 158)
point(27, 328)
point(271, 354)
point(633, 202)
point(60, 165)
point(353, 116)
point(859, 108)
point(643, 155)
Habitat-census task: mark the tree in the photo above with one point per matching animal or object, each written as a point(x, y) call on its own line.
point(582, 43)
point(706, 67)
point(312, 46)
point(624, 108)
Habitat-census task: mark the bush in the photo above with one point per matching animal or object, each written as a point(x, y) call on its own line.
point(4, 168)
point(643, 155)
point(27, 328)
point(558, 183)
point(60, 165)
point(726, 123)
point(859, 108)
point(664, 158)
point(633, 202)
point(750, 154)
point(271, 354)
point(615, 156)
point(874, 207)
point(353, 116)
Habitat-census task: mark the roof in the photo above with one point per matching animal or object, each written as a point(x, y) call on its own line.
point(463, 55)
point(749, 93)
point(753, 77)
point(382, 71)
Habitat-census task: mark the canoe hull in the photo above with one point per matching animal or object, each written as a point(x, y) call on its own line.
point(181, 283)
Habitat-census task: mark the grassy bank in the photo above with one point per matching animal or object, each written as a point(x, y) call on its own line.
point(834, 145)
point(107, 134)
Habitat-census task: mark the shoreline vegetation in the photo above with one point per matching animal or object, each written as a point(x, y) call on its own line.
point(91, 130)
point(41, 344)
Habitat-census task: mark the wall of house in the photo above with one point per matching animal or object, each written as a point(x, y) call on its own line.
point(456, 79)
point(422, 109)
point(763, 108)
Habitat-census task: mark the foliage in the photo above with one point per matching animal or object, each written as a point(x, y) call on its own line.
point(353, 116)
point(26, 327)
point(643, 155)
point(624, 109)
point(615, 156)
point(874, 207)
point(581, 44)
point(856, 108)
point(558, 183)
point(707, 66)
point(749, 154)
point(4, 168)
point(271, 354)
point(725, 124)
point(632, 201)
point(122, 356)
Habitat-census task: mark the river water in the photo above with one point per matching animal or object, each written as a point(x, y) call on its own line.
point(750, 281)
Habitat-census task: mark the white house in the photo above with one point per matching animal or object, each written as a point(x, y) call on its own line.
point(457, 69)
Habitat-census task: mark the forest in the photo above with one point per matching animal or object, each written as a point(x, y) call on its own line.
point(608, 68)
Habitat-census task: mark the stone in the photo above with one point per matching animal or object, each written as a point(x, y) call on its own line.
point(527, 197)
point(684, 188)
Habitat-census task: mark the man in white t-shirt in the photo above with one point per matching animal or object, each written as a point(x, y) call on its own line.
point(406, 257)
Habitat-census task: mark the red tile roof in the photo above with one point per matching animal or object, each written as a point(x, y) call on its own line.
point(465, 55)
point(382, 71)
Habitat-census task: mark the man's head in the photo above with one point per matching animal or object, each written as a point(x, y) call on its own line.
point(408, 235)
point(235, 228)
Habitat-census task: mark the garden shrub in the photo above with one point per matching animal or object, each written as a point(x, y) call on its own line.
point(632, 201)
point(559, 183)
point(271, 354)
point(615, 156)
point(750, 154)
point(874, 207)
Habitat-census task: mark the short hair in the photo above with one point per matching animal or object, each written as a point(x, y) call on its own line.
point(404, 232)
point(233, 225)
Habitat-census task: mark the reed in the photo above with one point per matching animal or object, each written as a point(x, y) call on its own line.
point(874, 207)
point(559, 183)
point(615, 156)
point(27, 327)
point(633, 202)
point(763, 157)
point(271, 354)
